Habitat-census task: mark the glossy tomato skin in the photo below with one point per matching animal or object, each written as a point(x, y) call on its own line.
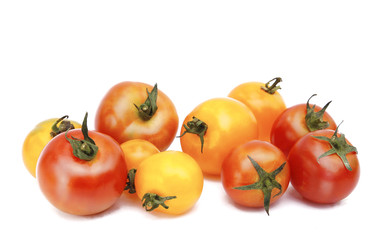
point(36, 140)
point(265, 106)
point(118, 117)
point(230, 123)
point(290, 126)
point(171, 173)
point(78, 186)
point(238, 171)
point(326, 180)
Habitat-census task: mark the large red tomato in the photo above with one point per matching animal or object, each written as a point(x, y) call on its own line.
point(255, 174)
point(134, 110)
point(324, 166)
point(82, 172)
point(296, 121)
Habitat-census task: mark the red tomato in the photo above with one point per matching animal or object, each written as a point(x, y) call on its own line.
point(296, 121)
point(78, 186)
point(264, 101)
point(323, 171)
point(129, 111)
point(255, 174)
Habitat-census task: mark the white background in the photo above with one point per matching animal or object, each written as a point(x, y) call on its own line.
point(61, 57)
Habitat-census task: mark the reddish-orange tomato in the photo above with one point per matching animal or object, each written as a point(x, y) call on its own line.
point(264, 101)
point(134, 110)
point(297, 121)
point(82, 172)
point(255, 174)
point(213, 129)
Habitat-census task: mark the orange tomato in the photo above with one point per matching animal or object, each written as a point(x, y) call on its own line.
point(136, 151)
point(214, 128)
point(265, 105)
point(134, 110)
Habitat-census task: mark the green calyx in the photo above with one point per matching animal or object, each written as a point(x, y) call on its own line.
point(339, 146)
point(152, 201)
point(198, 127)
point(86, 148)
point(274, 87)
point(149, 107)
point(60, 126)
point(314, 120)
point(266, 183)
point(130, 185)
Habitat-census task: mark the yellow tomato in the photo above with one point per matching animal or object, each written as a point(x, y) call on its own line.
point(170, 182)
point(265, 104)
point(214, 128)
point(39, 137)
point(136, 151)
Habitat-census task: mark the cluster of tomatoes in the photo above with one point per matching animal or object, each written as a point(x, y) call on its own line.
point(249, 139)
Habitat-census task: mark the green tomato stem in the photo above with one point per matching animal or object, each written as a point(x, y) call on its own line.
point(63, 126)
point(86, 148)
point(152, 201)
point(266, 183)
point(274, 87)
point(198, 127)
point(147, 110)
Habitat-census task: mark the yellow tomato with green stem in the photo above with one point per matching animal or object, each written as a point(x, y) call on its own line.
point(40, 136)
point(213, 129)
point(170, 182)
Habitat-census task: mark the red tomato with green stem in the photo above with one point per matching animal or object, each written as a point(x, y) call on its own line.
point(255, 174)
point(134, 110)
point(324, 166)
point(82, 172)
point(296, 121)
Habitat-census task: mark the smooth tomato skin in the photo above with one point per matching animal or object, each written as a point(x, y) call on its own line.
point(290, 126)
point(35, 142)
point(170, 173)
point(266, 107)
point(230, 123)
point(136, 151)
point(77, 186)
point(118, 117)
point(238, 171)
point(327, 181)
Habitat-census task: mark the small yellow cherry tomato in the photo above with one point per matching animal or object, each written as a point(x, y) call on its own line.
point(136, 151)
point(170, 182)
point(40, 136)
